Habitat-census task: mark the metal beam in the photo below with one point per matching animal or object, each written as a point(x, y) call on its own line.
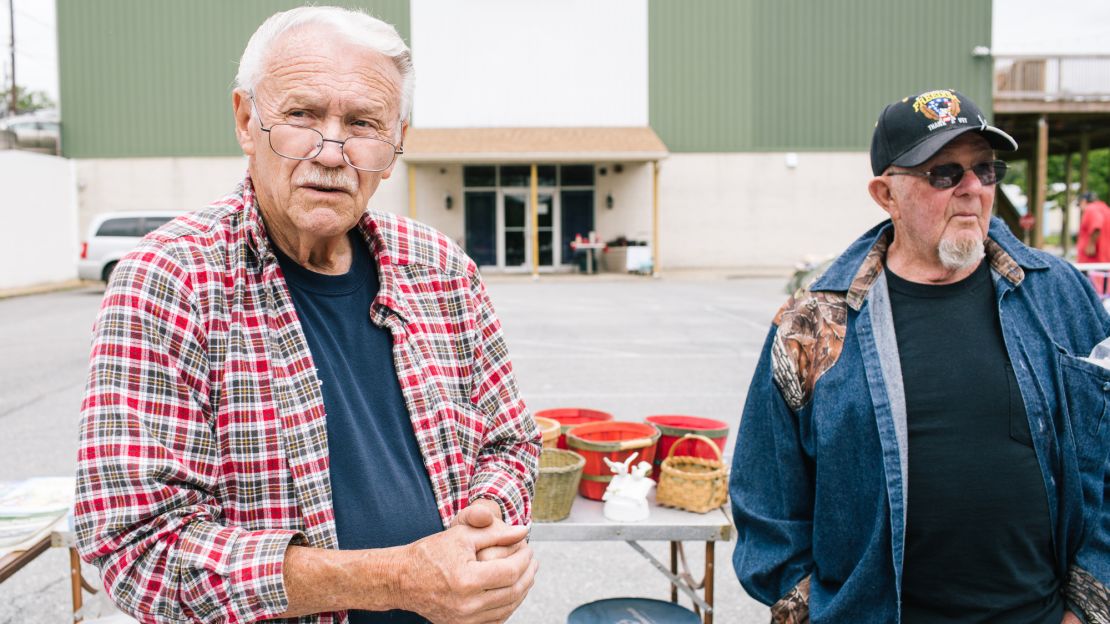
point(655, 218)
point(676, 581)
point(535, 184)
point(1011, 107)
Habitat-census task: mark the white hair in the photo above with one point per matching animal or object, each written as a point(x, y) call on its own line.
point(356, 26)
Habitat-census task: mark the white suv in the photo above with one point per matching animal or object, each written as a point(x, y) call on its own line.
point(111, 236)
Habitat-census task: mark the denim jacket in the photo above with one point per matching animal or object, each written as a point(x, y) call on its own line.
point(818, 484)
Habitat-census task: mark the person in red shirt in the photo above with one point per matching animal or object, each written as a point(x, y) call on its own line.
point(1091, 245)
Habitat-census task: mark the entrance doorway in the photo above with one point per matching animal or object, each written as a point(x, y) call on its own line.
point(498, 216)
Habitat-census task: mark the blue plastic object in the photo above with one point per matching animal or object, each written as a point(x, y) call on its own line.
point(632, 611)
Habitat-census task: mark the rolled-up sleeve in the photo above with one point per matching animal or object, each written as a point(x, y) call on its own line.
point(149, 465)
point(505, 471)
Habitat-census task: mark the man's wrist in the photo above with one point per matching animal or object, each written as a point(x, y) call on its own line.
point(318, 580)
point(379, 579)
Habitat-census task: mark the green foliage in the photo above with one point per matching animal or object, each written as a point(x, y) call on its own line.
point(27, 102)
point(1098, 173)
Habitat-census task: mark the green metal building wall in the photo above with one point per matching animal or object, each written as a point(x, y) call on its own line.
point(797, 75)
point(154, 77)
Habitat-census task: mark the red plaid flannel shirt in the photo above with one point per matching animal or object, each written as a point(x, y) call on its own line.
point(203, 440)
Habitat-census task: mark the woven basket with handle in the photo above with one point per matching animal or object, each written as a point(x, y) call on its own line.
point(693, 483)
point(550, 430)
point(557, 484)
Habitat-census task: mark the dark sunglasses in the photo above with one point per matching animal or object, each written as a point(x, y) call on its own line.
point(948, 175)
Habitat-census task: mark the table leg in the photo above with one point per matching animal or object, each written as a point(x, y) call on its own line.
point(674, 570)
point(75, 583)
point(14, 561)
point(708, 581)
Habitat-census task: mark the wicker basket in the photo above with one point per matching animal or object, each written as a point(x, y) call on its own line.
point(550, 430)
point(693, 483)
point(557, 484)
point(613, 440)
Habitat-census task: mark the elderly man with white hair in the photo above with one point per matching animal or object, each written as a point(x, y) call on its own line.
point(297, 406)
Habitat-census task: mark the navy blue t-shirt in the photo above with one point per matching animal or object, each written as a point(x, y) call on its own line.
point(381, 492)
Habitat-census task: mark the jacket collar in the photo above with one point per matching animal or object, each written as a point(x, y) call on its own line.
point(390, 293)
point(856, 270)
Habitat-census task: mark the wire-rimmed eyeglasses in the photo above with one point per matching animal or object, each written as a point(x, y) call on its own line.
point(296, 142)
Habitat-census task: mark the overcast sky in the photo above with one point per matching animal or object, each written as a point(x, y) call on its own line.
point(1020, 27)
point(36, 50)
point(1052, 27)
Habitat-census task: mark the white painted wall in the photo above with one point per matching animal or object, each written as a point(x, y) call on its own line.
point(630, 215)
point(184, 184)
point(38, 243)
point(177, 184)
point(433, 184)
point(751, 210)
point(722, 211)
point(507, 63)
point(716, 210)
point(393, 194)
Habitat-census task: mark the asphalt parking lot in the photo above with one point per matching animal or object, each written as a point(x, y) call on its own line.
point(682, 344)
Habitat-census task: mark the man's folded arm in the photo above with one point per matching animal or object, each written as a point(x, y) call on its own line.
point(772, 499)
point(148, 464)
point(506, 467)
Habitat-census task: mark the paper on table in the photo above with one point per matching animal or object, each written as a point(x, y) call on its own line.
point(16, 533)
point(36, 497)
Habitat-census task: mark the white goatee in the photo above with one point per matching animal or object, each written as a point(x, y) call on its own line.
point(961, 253)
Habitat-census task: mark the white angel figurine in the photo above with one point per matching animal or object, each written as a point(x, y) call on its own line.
point(626, 497)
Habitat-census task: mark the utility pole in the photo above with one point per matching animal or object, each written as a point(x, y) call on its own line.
point(11, 19)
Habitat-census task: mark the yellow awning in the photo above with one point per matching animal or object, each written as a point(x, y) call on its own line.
point(533, 145)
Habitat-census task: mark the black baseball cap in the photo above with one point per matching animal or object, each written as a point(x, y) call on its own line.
point(913, 129)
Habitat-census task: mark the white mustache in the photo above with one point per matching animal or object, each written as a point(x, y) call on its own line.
point(326, 178)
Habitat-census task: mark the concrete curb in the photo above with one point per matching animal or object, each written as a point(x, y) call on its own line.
point(39, 289)
point(687, 275)
point(672, 274)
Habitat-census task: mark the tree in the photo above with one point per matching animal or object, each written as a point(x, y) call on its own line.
point(1098, 172)
point(1098, 180)
point(27, 102)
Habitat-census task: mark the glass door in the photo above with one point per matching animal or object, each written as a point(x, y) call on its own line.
point(516, 230)
point(480, 222)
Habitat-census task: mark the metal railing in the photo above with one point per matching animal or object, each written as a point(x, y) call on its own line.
point(1072, 77)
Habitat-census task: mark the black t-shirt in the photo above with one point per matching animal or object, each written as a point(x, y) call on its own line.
point(978, 537)
point(381, 492)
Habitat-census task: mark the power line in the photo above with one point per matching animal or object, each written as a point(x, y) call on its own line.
point(34, 19)
point(22, 52)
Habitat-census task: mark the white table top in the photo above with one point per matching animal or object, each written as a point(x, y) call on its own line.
point(588, 523)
